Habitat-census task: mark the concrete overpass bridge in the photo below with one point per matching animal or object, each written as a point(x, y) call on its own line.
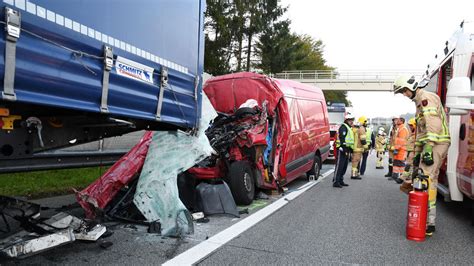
point(350, 80)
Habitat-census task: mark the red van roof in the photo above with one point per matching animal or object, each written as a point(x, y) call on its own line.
point(300, 90)
point(228, 92)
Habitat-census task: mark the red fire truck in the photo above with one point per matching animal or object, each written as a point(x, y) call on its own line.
point(452, 79)
point(336, 113)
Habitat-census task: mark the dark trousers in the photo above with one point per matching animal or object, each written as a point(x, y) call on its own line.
point(363, 162)
point(341, 166)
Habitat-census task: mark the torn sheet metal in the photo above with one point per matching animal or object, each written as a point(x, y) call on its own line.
point(22, 245)
point(58, 230)
point(82, 230)
point(171, 153)
point(95, 197)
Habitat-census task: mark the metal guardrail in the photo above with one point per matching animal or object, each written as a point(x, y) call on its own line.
point(346, 76)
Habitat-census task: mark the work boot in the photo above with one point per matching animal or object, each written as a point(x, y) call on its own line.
point(336, 184)
point(396, 177)
point(389, 174)
point(344, 184)
point(430, 230)
point(355, 174)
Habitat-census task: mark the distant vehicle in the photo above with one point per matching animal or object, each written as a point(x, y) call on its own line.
point(453, 80)
point(82, 70)
point(268, 133)
point(336, 114)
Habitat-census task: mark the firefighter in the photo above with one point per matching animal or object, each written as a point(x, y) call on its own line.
point(432, 137)
point(410, 150)
point(344, 145)
point(399, 149)
point(380, 142)
point(390, 147)
point(370, 138)
point(360, 145)
point(406, 186)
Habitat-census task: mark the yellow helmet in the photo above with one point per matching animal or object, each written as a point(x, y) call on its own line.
point(362, 120)
point(412, 122)
point(405, 82)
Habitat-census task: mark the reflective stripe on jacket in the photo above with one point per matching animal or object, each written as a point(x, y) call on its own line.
point(348, 140)
point(411, 142)
point(368, 135)
point(431, 123)
point(359, 135)
point(380, 143)
point(401, 137)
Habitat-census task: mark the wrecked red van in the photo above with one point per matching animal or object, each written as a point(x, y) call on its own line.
point(268, 133)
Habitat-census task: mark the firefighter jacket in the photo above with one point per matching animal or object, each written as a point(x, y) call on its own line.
point(401, 137)
point(359, 137)
point(391, 141)
point(345, 137)
point(431, 123)
point(380, 142)
point(411, 141)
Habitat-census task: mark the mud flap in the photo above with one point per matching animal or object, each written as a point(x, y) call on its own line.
point(216, 199)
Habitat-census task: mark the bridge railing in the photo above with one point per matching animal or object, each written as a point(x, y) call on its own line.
point(346, 75)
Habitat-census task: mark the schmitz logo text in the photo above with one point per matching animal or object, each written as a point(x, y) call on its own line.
point(134, 70)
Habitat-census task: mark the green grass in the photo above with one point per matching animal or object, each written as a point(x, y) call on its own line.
point(48, 183)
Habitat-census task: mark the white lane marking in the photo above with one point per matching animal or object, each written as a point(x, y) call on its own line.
point(205, 248)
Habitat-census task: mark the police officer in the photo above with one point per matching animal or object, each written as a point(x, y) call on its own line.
point(344, 144)
point(432, 137)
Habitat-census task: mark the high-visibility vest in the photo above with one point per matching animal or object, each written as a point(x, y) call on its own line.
point(368, 135)
point(349, 140)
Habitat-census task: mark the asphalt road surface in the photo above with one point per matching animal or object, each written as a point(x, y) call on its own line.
point(360, 224)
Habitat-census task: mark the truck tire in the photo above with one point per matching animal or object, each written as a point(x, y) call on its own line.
point(316, 169)
point(242, 182)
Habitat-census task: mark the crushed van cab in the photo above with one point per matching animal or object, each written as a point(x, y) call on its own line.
point(268, 133)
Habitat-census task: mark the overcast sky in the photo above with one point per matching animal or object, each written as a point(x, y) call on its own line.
point(379, 35)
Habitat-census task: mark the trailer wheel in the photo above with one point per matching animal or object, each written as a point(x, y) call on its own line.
point(242, 182)
point(316, 169)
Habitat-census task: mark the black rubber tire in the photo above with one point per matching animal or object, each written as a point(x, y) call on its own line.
point(316, 169)
point(242, 182)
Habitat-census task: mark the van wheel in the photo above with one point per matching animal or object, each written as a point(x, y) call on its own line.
point(316, 169)
point(242, 182)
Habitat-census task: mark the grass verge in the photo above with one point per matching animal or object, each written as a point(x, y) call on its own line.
point(39, 184)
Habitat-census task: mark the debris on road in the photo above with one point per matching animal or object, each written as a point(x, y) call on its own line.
point(41, 234)
point(216, 199)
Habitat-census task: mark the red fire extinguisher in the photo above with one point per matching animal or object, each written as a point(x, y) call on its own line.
point(418, 208)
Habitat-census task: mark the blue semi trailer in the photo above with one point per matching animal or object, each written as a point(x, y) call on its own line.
point(80, 70)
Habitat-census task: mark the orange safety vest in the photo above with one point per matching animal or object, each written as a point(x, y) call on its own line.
point(400, 144)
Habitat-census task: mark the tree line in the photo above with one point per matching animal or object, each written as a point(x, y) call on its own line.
point(253, 35)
